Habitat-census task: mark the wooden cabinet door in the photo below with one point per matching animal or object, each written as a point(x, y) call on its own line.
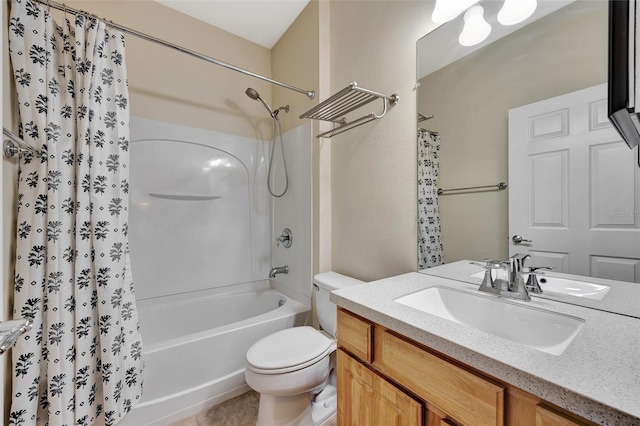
point(548, 417)
point(435, 419)
point(365, 398)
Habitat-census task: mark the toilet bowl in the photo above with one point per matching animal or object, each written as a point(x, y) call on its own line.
point(294, 369)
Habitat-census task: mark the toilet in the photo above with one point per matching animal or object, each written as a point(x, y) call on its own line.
point(294, 369)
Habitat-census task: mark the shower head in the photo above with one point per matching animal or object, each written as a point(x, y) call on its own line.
point(253, 94)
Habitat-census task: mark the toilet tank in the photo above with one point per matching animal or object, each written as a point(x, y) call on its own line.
point(325, 283)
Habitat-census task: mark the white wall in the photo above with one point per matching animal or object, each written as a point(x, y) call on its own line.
point(180, 246)
point(294, 211)
point(184, 246)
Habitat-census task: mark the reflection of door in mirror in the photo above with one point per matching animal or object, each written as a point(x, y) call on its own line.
point(564, 152)
point(470, 98)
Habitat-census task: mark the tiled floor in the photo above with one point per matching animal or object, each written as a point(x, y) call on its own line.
point(239, 411)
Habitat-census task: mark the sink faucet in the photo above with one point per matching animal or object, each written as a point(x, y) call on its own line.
point(517, 263)
point(278, 270)
point(514, 286)
point(532, 281)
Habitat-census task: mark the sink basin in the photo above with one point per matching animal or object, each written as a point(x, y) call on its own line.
point(543, 330)
point(575, 288)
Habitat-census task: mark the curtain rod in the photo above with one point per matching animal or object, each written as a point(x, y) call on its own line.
point(310, 93)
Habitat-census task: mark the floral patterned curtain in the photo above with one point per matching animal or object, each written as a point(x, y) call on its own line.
point(429, 239)
point(82, 362)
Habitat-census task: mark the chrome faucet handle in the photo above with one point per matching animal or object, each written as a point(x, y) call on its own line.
point(516, 263)
point(488, 284)
point(533, 285)
point(536, 268)
point(519, 259)
point(516, 287)
point(286, 238)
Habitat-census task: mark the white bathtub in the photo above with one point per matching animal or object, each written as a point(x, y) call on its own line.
point(195, 346)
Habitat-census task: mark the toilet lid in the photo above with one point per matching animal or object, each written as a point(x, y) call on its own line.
point(288, 350)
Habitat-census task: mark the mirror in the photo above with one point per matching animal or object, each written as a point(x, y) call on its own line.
point(528, 88)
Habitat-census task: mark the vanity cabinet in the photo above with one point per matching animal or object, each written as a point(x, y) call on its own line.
point(383, 378)
point(366, 398)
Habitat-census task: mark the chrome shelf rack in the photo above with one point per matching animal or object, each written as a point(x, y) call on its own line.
point(349, 99)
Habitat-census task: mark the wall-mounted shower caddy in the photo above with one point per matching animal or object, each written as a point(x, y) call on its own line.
point(349, 99)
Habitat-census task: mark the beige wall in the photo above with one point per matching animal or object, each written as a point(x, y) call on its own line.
point(374, 183)
point(295, 60)
point(470, 100)
point(170, 86)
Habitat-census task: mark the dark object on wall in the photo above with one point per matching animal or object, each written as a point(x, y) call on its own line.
point(623, 107)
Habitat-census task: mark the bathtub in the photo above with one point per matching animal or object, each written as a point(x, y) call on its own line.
point(195, 346)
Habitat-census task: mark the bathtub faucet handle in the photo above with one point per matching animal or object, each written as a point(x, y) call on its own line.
point(278, 270)
point(286, 238)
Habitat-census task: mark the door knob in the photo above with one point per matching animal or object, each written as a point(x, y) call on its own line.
point(518, 239)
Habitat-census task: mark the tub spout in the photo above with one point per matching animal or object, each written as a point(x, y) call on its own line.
point(278, 270)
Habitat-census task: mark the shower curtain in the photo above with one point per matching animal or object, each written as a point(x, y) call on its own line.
point(81, 364)
point(429, 239)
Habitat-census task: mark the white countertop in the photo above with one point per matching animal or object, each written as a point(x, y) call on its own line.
point(597, 376)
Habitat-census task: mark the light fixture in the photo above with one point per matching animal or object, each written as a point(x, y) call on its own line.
point(476, 29)
point(446, 10)
point(515, 11)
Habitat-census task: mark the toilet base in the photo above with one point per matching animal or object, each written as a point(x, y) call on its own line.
point(297, 410)
point(284, 410)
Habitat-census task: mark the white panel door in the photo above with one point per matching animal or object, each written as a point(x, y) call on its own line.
point(574, 188)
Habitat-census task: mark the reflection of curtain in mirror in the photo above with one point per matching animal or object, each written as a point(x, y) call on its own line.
point(429, 241)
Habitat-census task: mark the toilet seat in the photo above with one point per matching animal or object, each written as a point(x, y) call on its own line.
point(288, 350)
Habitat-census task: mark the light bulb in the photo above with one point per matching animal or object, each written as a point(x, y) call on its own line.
point(515, 11)
point(446, 10)
point(476, 29)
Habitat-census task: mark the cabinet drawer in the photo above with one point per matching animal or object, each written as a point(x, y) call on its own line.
point(355, 335)
point(465, 397)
